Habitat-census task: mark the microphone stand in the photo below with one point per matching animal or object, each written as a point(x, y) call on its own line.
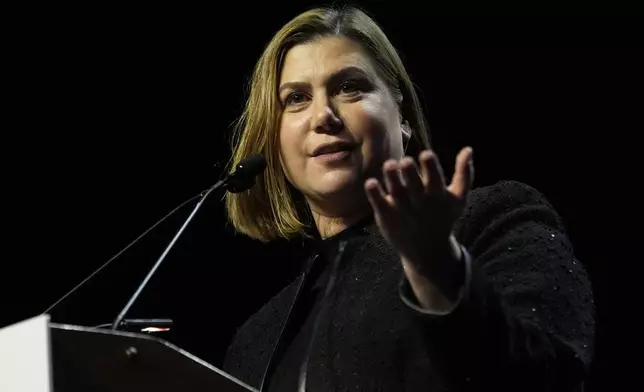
point(138, 291)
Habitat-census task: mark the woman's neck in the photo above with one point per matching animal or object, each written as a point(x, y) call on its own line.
point(328, 226)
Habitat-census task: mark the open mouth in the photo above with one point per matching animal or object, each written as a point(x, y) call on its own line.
point(334, 156)
point(333, 149)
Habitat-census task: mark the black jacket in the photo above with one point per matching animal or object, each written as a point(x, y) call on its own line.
point(525, 323)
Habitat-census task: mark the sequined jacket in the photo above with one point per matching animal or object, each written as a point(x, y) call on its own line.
point(524, 323)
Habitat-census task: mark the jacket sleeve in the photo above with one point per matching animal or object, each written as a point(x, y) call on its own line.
point(525, 320)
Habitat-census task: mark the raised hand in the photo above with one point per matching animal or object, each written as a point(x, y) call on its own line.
point(415, 209)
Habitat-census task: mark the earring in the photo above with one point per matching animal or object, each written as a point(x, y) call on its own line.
point(406, 130)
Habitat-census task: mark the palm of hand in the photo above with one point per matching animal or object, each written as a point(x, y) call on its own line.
point(414, 210)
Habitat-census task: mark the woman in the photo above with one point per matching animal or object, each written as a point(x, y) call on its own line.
point(414, 284)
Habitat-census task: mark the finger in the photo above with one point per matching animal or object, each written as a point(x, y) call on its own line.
point(392, 179)
point(463, 173)
point(433, 179)
point(411, 177)
point(377, 197)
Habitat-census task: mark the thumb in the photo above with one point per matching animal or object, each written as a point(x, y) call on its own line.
point(463, 179)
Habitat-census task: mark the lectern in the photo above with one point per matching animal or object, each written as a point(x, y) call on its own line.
point(39, 356)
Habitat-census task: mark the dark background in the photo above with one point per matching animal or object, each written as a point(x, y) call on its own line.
point(115, 116)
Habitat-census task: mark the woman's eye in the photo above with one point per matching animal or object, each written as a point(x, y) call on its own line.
point(295, 98)
point(349, 87)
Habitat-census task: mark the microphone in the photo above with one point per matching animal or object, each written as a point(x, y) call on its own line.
point(244, 176)
point(242, 179)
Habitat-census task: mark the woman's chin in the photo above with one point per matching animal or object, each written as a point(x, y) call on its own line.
point(338, 184)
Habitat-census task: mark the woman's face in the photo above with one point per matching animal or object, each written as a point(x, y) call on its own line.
point(340, 122)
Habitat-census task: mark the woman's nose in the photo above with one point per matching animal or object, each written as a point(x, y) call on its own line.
point(325, 117)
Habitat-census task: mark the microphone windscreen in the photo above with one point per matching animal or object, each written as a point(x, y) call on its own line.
point(244, 175)
point(250, 167)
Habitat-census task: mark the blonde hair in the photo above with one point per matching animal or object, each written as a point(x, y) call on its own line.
point(270, 209)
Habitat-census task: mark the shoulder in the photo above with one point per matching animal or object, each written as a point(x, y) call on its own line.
point(504, 196)
point(500, 208)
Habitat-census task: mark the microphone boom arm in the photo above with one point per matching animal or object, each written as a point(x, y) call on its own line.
point(242, 179)
point(126, 308)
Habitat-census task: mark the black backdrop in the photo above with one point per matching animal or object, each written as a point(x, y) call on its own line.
point(115, 116)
